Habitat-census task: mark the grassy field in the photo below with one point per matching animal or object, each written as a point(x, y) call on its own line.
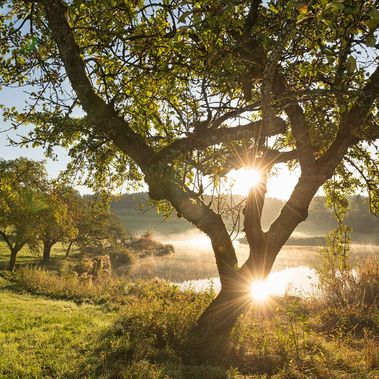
point(57, 324)
point(25, 257)
point(46, 338)
point(116, 329)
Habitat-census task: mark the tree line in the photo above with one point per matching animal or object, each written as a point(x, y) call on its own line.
point(38, 213)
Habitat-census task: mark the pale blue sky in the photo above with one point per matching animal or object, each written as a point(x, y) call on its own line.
point(17, 97)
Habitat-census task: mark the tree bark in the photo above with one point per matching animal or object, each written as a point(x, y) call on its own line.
point(47, 245)
point(68, 249)
point(12, 261)
point(210, 335)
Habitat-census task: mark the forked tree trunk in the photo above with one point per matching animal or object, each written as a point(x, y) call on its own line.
point(214, 326)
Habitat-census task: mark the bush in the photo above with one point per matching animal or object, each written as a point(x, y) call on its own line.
point(94, 267)
point(165, 250)
point(121, 256)
point(145, 246)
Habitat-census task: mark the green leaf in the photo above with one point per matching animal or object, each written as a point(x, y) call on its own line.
point(351, 64)
point(370, 41)
point(183, 16)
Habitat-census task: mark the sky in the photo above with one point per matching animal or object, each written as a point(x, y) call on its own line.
point(17, 97)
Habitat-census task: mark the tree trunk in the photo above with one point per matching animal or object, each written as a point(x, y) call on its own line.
point(209, 337)
point(12, 262)
point(46, 251)
point(68, 249)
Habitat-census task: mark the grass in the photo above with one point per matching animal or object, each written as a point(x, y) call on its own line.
point(25, 257)
point(117, 329)
point(45, 338)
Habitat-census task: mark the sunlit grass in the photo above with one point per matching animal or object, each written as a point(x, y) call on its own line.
point(139, 330)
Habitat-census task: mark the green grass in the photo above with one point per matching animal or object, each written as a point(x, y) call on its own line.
point(140, 331)
point(46, 338)
point(25, 257)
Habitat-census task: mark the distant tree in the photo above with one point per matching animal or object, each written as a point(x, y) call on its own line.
point(179, 92)
point(97, 227)
point(56, 220)
point(21, 185)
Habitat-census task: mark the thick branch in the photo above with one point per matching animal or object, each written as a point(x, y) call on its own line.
point(252, 17)
point(352, 127)
point(300, 129)
point(162, 186)
point(100, 113)
point(232, 114)
point(293, 213)
point(6, 239)
point(253, 227)
point(209, 137)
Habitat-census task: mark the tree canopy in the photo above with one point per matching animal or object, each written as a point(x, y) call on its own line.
point(21, 186)
point(176, 91)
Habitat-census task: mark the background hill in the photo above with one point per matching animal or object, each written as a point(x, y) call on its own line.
point(138, 215)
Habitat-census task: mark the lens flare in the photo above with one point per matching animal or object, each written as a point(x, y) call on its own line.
point(260, 290)
point(244, 179)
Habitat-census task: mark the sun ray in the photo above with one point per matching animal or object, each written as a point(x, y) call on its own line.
point(244, 179)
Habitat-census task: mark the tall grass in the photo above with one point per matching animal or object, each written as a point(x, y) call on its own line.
point(357, 287)
point(152, 320)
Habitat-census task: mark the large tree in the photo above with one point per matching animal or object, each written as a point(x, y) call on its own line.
point(179, 92)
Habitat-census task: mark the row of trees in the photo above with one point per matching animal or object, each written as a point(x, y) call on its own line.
point(35, 211)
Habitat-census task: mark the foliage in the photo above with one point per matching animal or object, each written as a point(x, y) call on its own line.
point(98, 228)
point(344, 286)
point(21, 203)
point(325, 58)
point(56, 220)
point(121, 256)
point(146, 246)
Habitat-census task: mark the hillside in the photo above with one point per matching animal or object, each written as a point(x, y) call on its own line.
point(138, 215)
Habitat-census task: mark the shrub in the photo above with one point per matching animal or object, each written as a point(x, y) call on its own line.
point(165, 250)
point(121, 256)
point(95, 267)
point(145, 246)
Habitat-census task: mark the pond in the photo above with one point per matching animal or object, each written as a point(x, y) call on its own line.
point(193, 264)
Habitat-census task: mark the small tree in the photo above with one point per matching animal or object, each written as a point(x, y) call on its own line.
point(56, 223)
point(96, 228)
point(21, 184)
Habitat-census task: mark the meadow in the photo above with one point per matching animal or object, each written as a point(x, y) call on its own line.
point(56, 325)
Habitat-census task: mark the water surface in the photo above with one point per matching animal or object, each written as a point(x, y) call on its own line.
point(193, 264)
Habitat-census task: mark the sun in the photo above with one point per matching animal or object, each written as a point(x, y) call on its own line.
point(260, 290)
point(244, 179)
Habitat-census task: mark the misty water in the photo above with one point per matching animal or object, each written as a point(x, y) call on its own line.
point(193, 265)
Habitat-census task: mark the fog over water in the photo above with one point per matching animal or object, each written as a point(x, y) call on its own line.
point(193, 264)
